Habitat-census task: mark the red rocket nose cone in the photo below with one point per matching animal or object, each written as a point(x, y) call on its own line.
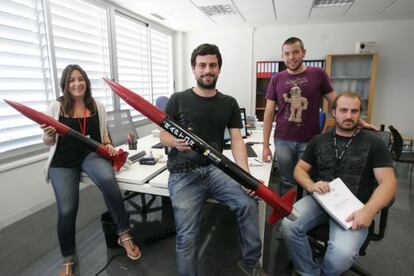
point(16, 105)
point(108, 81)
point(10, 102)
point(114, 86)
point(137, 102)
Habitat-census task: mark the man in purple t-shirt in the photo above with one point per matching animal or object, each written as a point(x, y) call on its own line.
point(297, 92)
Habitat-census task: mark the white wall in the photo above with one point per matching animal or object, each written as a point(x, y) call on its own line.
point(239, 47)
point(235, 77)
point(22, 192)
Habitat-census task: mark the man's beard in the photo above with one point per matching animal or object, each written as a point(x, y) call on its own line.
point(295, 68)
point(210, 85)
point(350, 128)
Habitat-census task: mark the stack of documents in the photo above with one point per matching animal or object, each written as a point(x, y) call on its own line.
point(340, 202)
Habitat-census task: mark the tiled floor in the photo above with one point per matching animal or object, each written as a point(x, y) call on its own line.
point(219, 243)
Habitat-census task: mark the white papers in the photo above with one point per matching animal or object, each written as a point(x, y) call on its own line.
point(340, 202)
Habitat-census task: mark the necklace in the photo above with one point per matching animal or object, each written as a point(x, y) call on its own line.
point(346, 147)
point(83, 128)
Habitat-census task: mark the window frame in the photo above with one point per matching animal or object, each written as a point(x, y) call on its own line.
point(110, 8)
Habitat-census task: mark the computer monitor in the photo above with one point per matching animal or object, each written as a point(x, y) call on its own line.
point(119, 125)
point(243, 130)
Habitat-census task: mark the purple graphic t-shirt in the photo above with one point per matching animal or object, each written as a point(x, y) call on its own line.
point(298, 98)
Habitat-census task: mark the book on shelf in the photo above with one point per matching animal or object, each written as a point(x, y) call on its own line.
point(339, 202)
point(266, 69)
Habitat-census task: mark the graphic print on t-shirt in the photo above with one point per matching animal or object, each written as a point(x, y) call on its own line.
point(297, 104)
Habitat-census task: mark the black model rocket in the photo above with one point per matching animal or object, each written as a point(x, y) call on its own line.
point(282, 206)
point(118, 159)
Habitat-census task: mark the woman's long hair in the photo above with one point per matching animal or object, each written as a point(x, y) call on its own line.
point(66, 99)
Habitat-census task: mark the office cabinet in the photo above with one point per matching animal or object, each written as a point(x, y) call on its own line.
point(356, 73)
point(265, 70)
point(261, 88)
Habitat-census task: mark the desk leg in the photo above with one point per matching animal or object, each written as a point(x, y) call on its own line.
point(262, 224)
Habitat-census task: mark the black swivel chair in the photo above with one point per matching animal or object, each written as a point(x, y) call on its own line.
point(397, 152)
point(319, 236)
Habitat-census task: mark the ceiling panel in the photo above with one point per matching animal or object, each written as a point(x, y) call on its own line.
point(175, 4)
point(401, 6)
point(369, 7)
point(233, 20)
point(255, 10)
point(250, 1)
point(195, 17)
point(202, 3)
point(292, 9)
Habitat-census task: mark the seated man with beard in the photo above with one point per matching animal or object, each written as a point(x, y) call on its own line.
point(355, 156)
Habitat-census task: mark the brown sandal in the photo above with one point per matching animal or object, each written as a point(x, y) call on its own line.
point(133, 246)
point(67, 269)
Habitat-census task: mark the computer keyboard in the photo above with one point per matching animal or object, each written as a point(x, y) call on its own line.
point(135, 157)
point(250, 151)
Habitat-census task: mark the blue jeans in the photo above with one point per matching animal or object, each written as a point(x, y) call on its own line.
point(343, 246)
point(288, 154)
point(188, 192)
point(65, 182)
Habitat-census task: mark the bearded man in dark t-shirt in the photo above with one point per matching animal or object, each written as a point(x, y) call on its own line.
point(357, 157)
point(207, 112)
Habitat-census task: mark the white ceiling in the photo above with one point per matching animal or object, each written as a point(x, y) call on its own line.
point(185, 15)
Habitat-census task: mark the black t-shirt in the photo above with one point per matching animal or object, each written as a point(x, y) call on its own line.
point(365, 153)
point(70, 152)
point(207, 117)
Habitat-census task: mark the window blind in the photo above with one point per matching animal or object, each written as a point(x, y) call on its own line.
point(132, 59)
point(37, 42)
point(80, 35)
point(25, 74)
point(161, 64)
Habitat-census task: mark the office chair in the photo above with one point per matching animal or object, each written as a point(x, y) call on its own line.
point(322, 119)
point(397, 153)
point(319, 236)
point(397, 148)
point(119, 125)
point(161, 102)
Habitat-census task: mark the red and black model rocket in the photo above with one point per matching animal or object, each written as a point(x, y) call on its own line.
point(118, 160)
point(282, 206)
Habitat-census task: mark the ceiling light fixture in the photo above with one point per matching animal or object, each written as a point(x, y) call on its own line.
point(332, 3)
point(218, 10)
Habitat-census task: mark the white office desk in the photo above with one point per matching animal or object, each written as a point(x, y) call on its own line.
point(135, 178)
point(140, 174)
point(154, 179)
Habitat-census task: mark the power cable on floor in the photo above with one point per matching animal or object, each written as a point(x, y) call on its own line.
point(108, 262)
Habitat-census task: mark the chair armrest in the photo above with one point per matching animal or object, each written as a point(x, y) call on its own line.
point(381, 225)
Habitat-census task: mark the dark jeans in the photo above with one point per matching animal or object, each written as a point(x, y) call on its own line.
point(188, 193)
point(65, 182)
